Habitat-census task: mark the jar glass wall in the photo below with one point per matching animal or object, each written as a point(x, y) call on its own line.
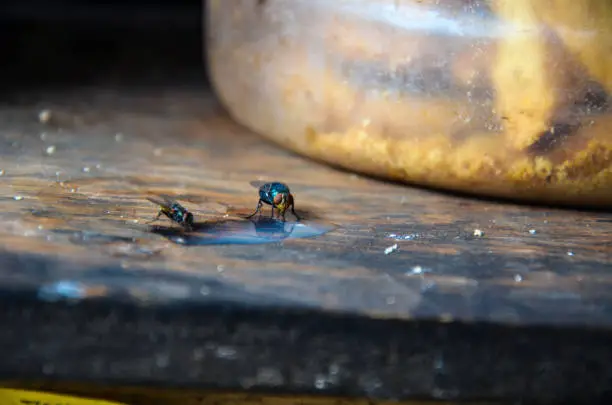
point(503, 98)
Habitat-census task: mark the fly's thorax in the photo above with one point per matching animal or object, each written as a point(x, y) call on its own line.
point(279, 187)
point(265, 196)
point(177, 207)
point(178, 213)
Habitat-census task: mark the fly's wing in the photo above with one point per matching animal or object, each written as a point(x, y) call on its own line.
point(197, 199)
point(161, 200)
point(257, 183)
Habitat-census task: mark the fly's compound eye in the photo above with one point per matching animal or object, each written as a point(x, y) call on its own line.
point(278, 198)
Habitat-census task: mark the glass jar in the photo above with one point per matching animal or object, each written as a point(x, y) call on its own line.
point(503, 98)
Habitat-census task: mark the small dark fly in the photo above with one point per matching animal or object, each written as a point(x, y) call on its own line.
point(275, 194)
point(173, 210)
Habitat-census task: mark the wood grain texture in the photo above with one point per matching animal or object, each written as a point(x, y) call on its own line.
point(73, 207)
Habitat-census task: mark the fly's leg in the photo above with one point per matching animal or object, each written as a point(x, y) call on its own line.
point(257, 210)
point(294, 214)
point(272, 212)
point(159, 214)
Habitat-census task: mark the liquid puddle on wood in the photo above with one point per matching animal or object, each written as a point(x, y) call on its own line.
point(242, 232)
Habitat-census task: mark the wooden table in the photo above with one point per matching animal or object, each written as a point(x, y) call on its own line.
point(412, 293)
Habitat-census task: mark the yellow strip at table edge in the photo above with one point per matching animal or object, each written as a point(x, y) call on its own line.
point(23, 397)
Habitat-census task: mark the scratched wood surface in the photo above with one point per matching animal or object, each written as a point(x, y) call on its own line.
point(73, 208)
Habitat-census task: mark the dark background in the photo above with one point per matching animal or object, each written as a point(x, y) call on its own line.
point(55, 43)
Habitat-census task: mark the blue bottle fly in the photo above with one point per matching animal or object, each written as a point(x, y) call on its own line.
point(173, 210)
point(277, 195)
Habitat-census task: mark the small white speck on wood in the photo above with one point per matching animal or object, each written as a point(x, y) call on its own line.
point(44, 116)
point(391, 249)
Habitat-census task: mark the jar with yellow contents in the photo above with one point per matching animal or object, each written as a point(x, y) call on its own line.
point(502, 98)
